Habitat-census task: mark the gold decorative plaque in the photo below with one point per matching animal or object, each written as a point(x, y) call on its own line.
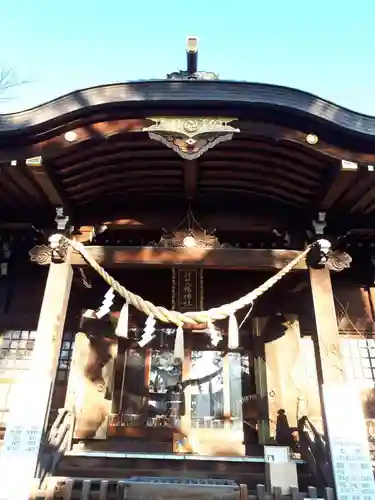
point(190, 137)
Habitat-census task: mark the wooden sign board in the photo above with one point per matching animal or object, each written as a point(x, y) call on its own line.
point(187, 289)
point(276, 454)
point(20, 450)
point(351, 461)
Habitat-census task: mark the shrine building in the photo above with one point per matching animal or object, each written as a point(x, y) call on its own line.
point(186, 285)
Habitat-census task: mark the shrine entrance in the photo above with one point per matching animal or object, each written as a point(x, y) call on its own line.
point(193, 406)
point(153, 388)
point(203, 401)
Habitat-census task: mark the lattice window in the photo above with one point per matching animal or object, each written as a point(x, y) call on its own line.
point(359, 360)
point(65, 357)
point(16, 347)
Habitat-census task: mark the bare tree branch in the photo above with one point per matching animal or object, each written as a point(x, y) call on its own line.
point(9, 80)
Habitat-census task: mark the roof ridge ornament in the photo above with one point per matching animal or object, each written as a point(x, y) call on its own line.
point(191, 72)
point(190, 137)
point(198, 75)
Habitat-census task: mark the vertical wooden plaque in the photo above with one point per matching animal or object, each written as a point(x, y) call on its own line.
point(187, 289)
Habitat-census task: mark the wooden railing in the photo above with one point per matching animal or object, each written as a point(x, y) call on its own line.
point(60, 488)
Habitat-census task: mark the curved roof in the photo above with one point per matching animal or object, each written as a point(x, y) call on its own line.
point(268, 166)
point(224, 94)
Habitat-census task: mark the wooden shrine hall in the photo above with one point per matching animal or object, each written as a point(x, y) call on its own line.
point(189, 192)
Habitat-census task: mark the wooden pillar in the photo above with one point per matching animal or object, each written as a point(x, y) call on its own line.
point(260, 371)
point(31, 403)
point(328, 354)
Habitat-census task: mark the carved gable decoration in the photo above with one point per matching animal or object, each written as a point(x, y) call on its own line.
point(181, 239)
point(191, 137)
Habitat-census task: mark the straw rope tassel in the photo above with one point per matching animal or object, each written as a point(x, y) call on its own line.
point(107, 303)
point(148, 332)
point(123, 321)
point(233, 336)
point(179, 344)
point(214, 334)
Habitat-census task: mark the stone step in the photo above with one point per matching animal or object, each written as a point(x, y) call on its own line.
point(242, 470)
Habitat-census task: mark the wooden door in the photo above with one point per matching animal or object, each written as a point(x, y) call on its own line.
point(213, 424)
point(144, 378)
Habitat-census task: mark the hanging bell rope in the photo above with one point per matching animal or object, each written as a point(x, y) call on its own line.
point(176, 317)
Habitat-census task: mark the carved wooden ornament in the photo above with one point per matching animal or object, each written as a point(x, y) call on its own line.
point(41, 254)
point(44, 254)
point(177, 239)
point(190, 137)
point(338, 261)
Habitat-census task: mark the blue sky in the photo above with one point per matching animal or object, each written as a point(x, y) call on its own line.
point(325, 47)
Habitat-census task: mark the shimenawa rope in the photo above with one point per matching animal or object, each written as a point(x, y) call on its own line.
point(176, 317)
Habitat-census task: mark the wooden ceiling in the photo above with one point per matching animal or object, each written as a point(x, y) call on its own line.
point(132, 169)
point(114, 170)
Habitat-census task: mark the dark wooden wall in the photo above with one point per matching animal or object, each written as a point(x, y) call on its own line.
point(219, 287)
point(21, 294)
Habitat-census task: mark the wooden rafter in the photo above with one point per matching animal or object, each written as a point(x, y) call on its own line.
point(58, 188)
point(336, 189)
point(335, 183)
point(42, 180)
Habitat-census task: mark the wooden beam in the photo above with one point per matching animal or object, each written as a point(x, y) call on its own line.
point(58, 187)
point(338, 186)
point(256, 219)
point(190, 178)
point(43, 180)
point(222, 258)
